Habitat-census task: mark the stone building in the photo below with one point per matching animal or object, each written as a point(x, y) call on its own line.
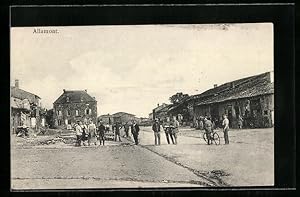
point(25, 109)
point(74, 105)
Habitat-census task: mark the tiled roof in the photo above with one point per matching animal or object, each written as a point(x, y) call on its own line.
point(22, 94)
point(183, 101)
point(164, 109)
point(243, 88)
point(75, 96)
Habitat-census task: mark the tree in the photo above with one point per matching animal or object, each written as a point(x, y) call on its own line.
point(176, 98)
point(49, 118)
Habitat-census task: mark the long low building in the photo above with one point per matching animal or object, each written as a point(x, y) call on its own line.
point(122, 117)
point(251, 98)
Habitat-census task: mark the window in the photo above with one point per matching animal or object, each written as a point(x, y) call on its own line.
point(76, 112)
point(68, 112)
point(266, 112)
point(58, 113)
point(88, 111)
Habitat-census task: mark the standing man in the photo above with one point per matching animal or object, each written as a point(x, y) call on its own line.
point(78, 130)
point(92, 138)
point(176, 129)
point(167, 130)
point(117, 131)
point(225, 128)
point(84, 135)
point(156, 129)
point(135, 129)
point(126, 129)
point(208, 129)
point(101, 131)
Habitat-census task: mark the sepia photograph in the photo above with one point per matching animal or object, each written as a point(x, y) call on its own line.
point(142, 106)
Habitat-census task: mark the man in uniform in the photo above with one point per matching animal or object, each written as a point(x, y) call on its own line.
point(208, 129)
point(101, 131)
point(78, 130)
point(156, 129)
point(225, 128)
point(175, 130)
point(135, 131)
point(117, 131)
point(126, 129)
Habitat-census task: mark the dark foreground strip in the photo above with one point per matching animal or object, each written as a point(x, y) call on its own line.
point(115, 179)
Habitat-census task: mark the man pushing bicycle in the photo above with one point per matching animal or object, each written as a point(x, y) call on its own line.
point(208, 129)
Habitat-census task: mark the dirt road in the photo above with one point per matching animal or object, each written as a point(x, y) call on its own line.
point(191, 163)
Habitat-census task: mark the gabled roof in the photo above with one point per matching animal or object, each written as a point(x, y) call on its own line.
point(242, 88)
point(165, 108)
point(75, 96)
point(122, 113)
point(22, 94)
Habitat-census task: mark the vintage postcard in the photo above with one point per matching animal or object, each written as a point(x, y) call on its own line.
point(142, 106)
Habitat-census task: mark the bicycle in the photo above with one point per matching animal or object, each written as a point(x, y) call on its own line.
point(214, 137)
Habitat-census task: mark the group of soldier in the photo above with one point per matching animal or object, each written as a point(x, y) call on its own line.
point(171, 128)
point(88, 134)
point(134, 127)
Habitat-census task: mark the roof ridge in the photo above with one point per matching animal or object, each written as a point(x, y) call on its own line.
point(24, 91)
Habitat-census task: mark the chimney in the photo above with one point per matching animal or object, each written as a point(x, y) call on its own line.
point(215, 85)
point(17, 83)
point(157, 104)
point(64, 90)
point(232, 85)
point(85, 90)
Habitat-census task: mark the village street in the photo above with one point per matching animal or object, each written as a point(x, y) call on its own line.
point(247, 161)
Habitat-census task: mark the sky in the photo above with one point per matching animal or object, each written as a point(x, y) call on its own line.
point(133, 68)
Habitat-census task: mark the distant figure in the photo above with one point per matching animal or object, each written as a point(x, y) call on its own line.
point(101, 131)
point(117, 131)
point(92, 136)
point(156, 130)
point(225, 129)
point(78, 130)
point(208, 129)
point(240, 122)
point(126, 129)
point(135, 129)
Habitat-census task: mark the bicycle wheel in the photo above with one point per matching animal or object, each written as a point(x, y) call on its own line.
point(204, 136)
point(216, 138)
